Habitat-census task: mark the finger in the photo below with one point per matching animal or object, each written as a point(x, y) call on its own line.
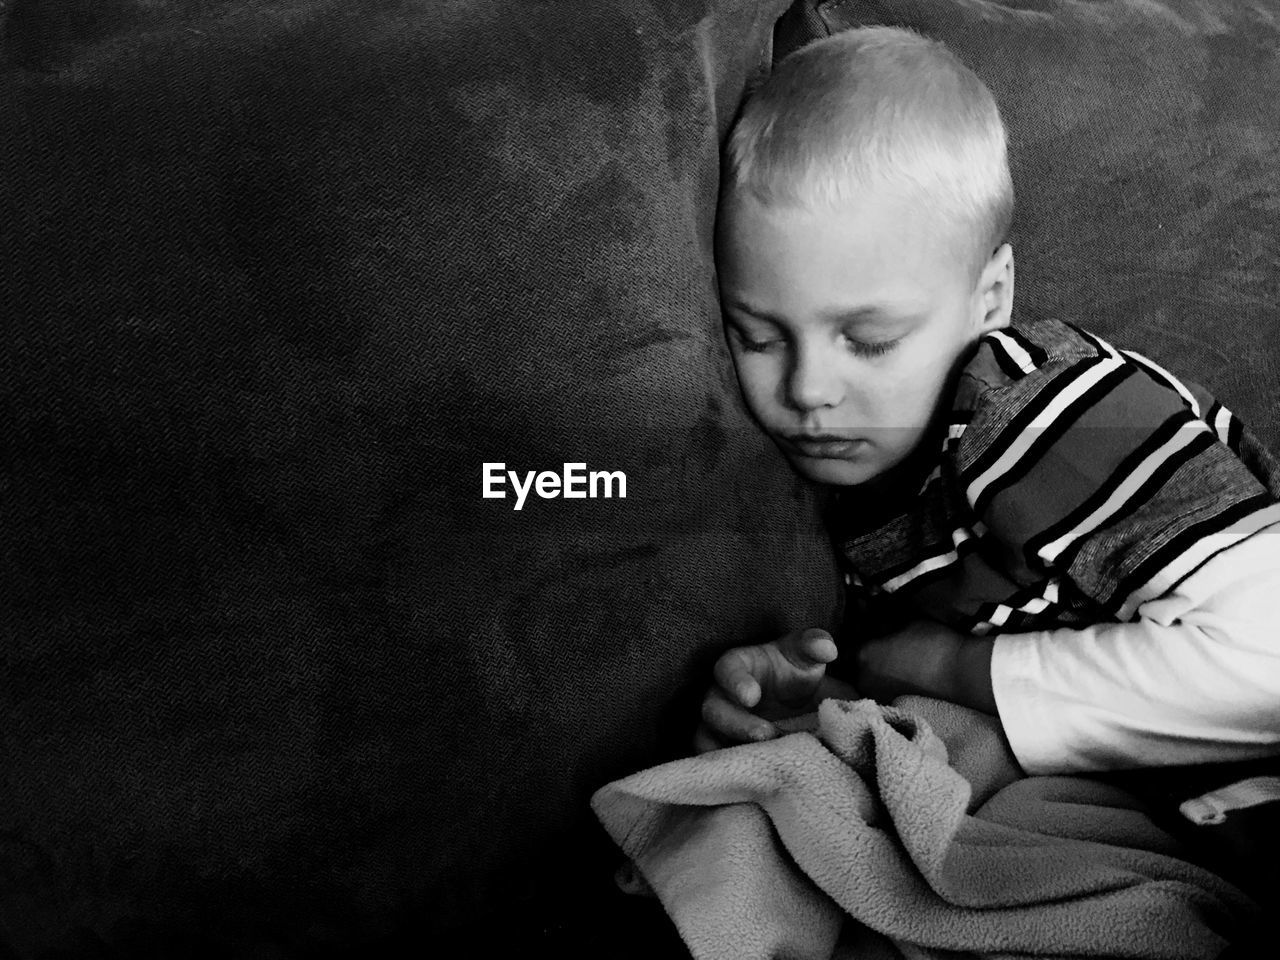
point(739, 673)
point(818, 645)
point(731, 722)
point(806, 649)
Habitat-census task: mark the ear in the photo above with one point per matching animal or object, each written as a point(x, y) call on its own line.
point(995, 291)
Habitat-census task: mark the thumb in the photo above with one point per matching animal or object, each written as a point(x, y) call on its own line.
point(808, 648)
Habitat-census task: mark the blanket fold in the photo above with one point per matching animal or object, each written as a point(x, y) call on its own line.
point(767, 850)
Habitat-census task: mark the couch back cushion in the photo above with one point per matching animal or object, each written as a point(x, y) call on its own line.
point(280, 277)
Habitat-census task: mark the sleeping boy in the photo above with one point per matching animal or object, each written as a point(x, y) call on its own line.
point(1030, 521)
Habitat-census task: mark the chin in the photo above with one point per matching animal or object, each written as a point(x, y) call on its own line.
point(836, 473)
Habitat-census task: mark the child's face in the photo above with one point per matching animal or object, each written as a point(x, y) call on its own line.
point(845, 327)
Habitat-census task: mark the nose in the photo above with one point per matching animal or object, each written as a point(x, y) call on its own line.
point(815, 379)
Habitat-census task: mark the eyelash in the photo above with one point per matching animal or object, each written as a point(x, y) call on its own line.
point(751, 345)
point(859, 347)
point(864, 349)
point(756, 346)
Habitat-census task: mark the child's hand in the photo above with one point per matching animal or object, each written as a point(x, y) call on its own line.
point(929, 658)
point(769, 681)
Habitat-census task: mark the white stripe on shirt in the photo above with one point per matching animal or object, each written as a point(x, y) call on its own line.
point(1013, 350)
point(1000, 616)
point(938, 560)
point(1222, 424)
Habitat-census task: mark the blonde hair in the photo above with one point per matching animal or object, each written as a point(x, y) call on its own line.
point(876, 107)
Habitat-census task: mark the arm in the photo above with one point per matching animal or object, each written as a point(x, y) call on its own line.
point(1195, 679)
point(929, 658)
point(1142, 507)
point(1132, 501)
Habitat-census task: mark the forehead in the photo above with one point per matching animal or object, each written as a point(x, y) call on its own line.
point(883, 250)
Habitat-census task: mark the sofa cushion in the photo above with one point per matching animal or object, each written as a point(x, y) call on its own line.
point(280, 278)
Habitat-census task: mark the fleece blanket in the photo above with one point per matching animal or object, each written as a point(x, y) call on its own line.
point(766, 850)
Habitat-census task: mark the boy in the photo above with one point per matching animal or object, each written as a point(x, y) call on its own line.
point(1030, 521)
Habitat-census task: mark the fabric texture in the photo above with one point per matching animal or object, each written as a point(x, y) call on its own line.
point(752, 848)
point(278, 278)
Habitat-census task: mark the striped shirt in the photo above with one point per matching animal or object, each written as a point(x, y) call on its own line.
point(1076, 484)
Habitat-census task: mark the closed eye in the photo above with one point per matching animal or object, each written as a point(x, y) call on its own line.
point(756, 343)
point(865, 348)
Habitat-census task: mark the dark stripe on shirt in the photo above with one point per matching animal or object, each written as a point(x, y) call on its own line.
point(1235, 430)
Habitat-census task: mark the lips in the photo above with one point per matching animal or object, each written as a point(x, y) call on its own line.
point(824, 446)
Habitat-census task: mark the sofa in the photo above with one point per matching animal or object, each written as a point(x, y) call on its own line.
point(281, 277)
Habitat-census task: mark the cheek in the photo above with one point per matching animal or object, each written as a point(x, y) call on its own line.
point(905, 395)
point(759, 379)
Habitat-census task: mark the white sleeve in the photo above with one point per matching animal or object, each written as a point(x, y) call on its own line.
point(1196, 678)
